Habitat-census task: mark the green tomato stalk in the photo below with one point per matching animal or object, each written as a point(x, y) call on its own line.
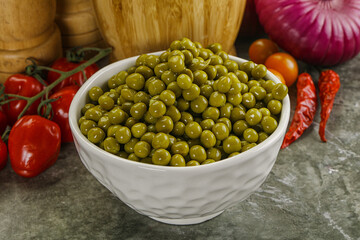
point(36, 71)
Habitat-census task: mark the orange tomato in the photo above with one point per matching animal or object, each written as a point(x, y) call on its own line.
point(261, 49)
point(277, 74)
point(285, 64)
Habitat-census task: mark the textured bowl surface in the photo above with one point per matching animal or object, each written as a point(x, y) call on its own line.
point(174, 195)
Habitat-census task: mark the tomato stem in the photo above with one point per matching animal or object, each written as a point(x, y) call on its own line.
point(63, 75)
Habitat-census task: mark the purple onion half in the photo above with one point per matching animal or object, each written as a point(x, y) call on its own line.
point(319, 32)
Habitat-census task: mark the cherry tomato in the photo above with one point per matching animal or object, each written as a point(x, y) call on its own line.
point(63, 64)
point(261, 49)
point(22, 85)
point(3, 154)
point(60, 109)
point(34, 145)
point(278, 75)
point(285, 64)
point(3, 122)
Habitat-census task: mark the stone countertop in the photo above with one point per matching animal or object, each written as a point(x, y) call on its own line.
point(312, 192)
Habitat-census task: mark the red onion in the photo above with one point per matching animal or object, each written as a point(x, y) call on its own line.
point(319, 32)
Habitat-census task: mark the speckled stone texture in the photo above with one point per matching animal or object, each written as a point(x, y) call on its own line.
point(312, 192)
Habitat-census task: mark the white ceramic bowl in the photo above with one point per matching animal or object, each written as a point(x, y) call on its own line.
point(176, 195)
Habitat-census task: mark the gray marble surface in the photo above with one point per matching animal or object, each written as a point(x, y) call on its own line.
point(312, 192)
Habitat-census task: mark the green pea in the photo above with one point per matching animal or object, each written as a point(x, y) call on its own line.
point(223, 55)
point(142, 149)
point(207, 124)
point(133, 157)
point(142, 97)
point(94, 114)
point(217, 99)
point(145, 71)
point(95, 93)
point(161, 157)
point(192, 163)
point(248, 100)
point(274, 106)
point(96, 135)
point(161, 68)
point(247, 67)
point(269, 124)
point(180, 147)
point(231, 65)
point(138, 129)
point(208, 139)
point(135, 81)
point(177, 160)
point(258, 92)
point(248, 146)
point(157, 109)
point(179, 129)
point(239, 127)
point(148, 137)
point(184, 81)
point(123, 135)
point(155, 87)
point(174, 87)
point(279, 91)
point(168, 77)
point(221, 131)
point(259, 71)
point(141, 60)
point(198, 153)
point(111, 145)
point(250, 135)
point(117, 115)
point(253, 116)
point(164, 124)
point(152, 60)
point(211, 113)
point(206, 90)
point(176, 64)
point(262, 136)
point(231, 144)
point(138, 110)
point(242, 76)
point(186, 117)
point(192, 93)
point(214, 153)
point(211, 72)
point(129, 146)
point(221, 70)
point(199, 104)
point(104, 122)
point(193, 130)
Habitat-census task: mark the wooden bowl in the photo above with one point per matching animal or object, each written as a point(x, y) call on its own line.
point(133, 27)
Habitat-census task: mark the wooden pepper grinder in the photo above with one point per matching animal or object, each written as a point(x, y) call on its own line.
point(27, 30)
point(77, 24)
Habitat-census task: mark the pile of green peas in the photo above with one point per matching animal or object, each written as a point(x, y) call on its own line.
point(189, 106)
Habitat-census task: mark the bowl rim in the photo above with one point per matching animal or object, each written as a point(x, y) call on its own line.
point(278, 133)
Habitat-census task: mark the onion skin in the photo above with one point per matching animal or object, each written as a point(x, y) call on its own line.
point(318, 32)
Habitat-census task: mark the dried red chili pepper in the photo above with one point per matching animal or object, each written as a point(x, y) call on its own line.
point(329, 84)
point(305, 110)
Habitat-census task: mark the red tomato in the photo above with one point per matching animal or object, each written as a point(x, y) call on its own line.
point(277, 74)
point(61, 110)
point(3, 122)
point(3, 154)
point(285, 64)
point(34, 145)
point(78, 79)
point(261, 49)
point(22, 85)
